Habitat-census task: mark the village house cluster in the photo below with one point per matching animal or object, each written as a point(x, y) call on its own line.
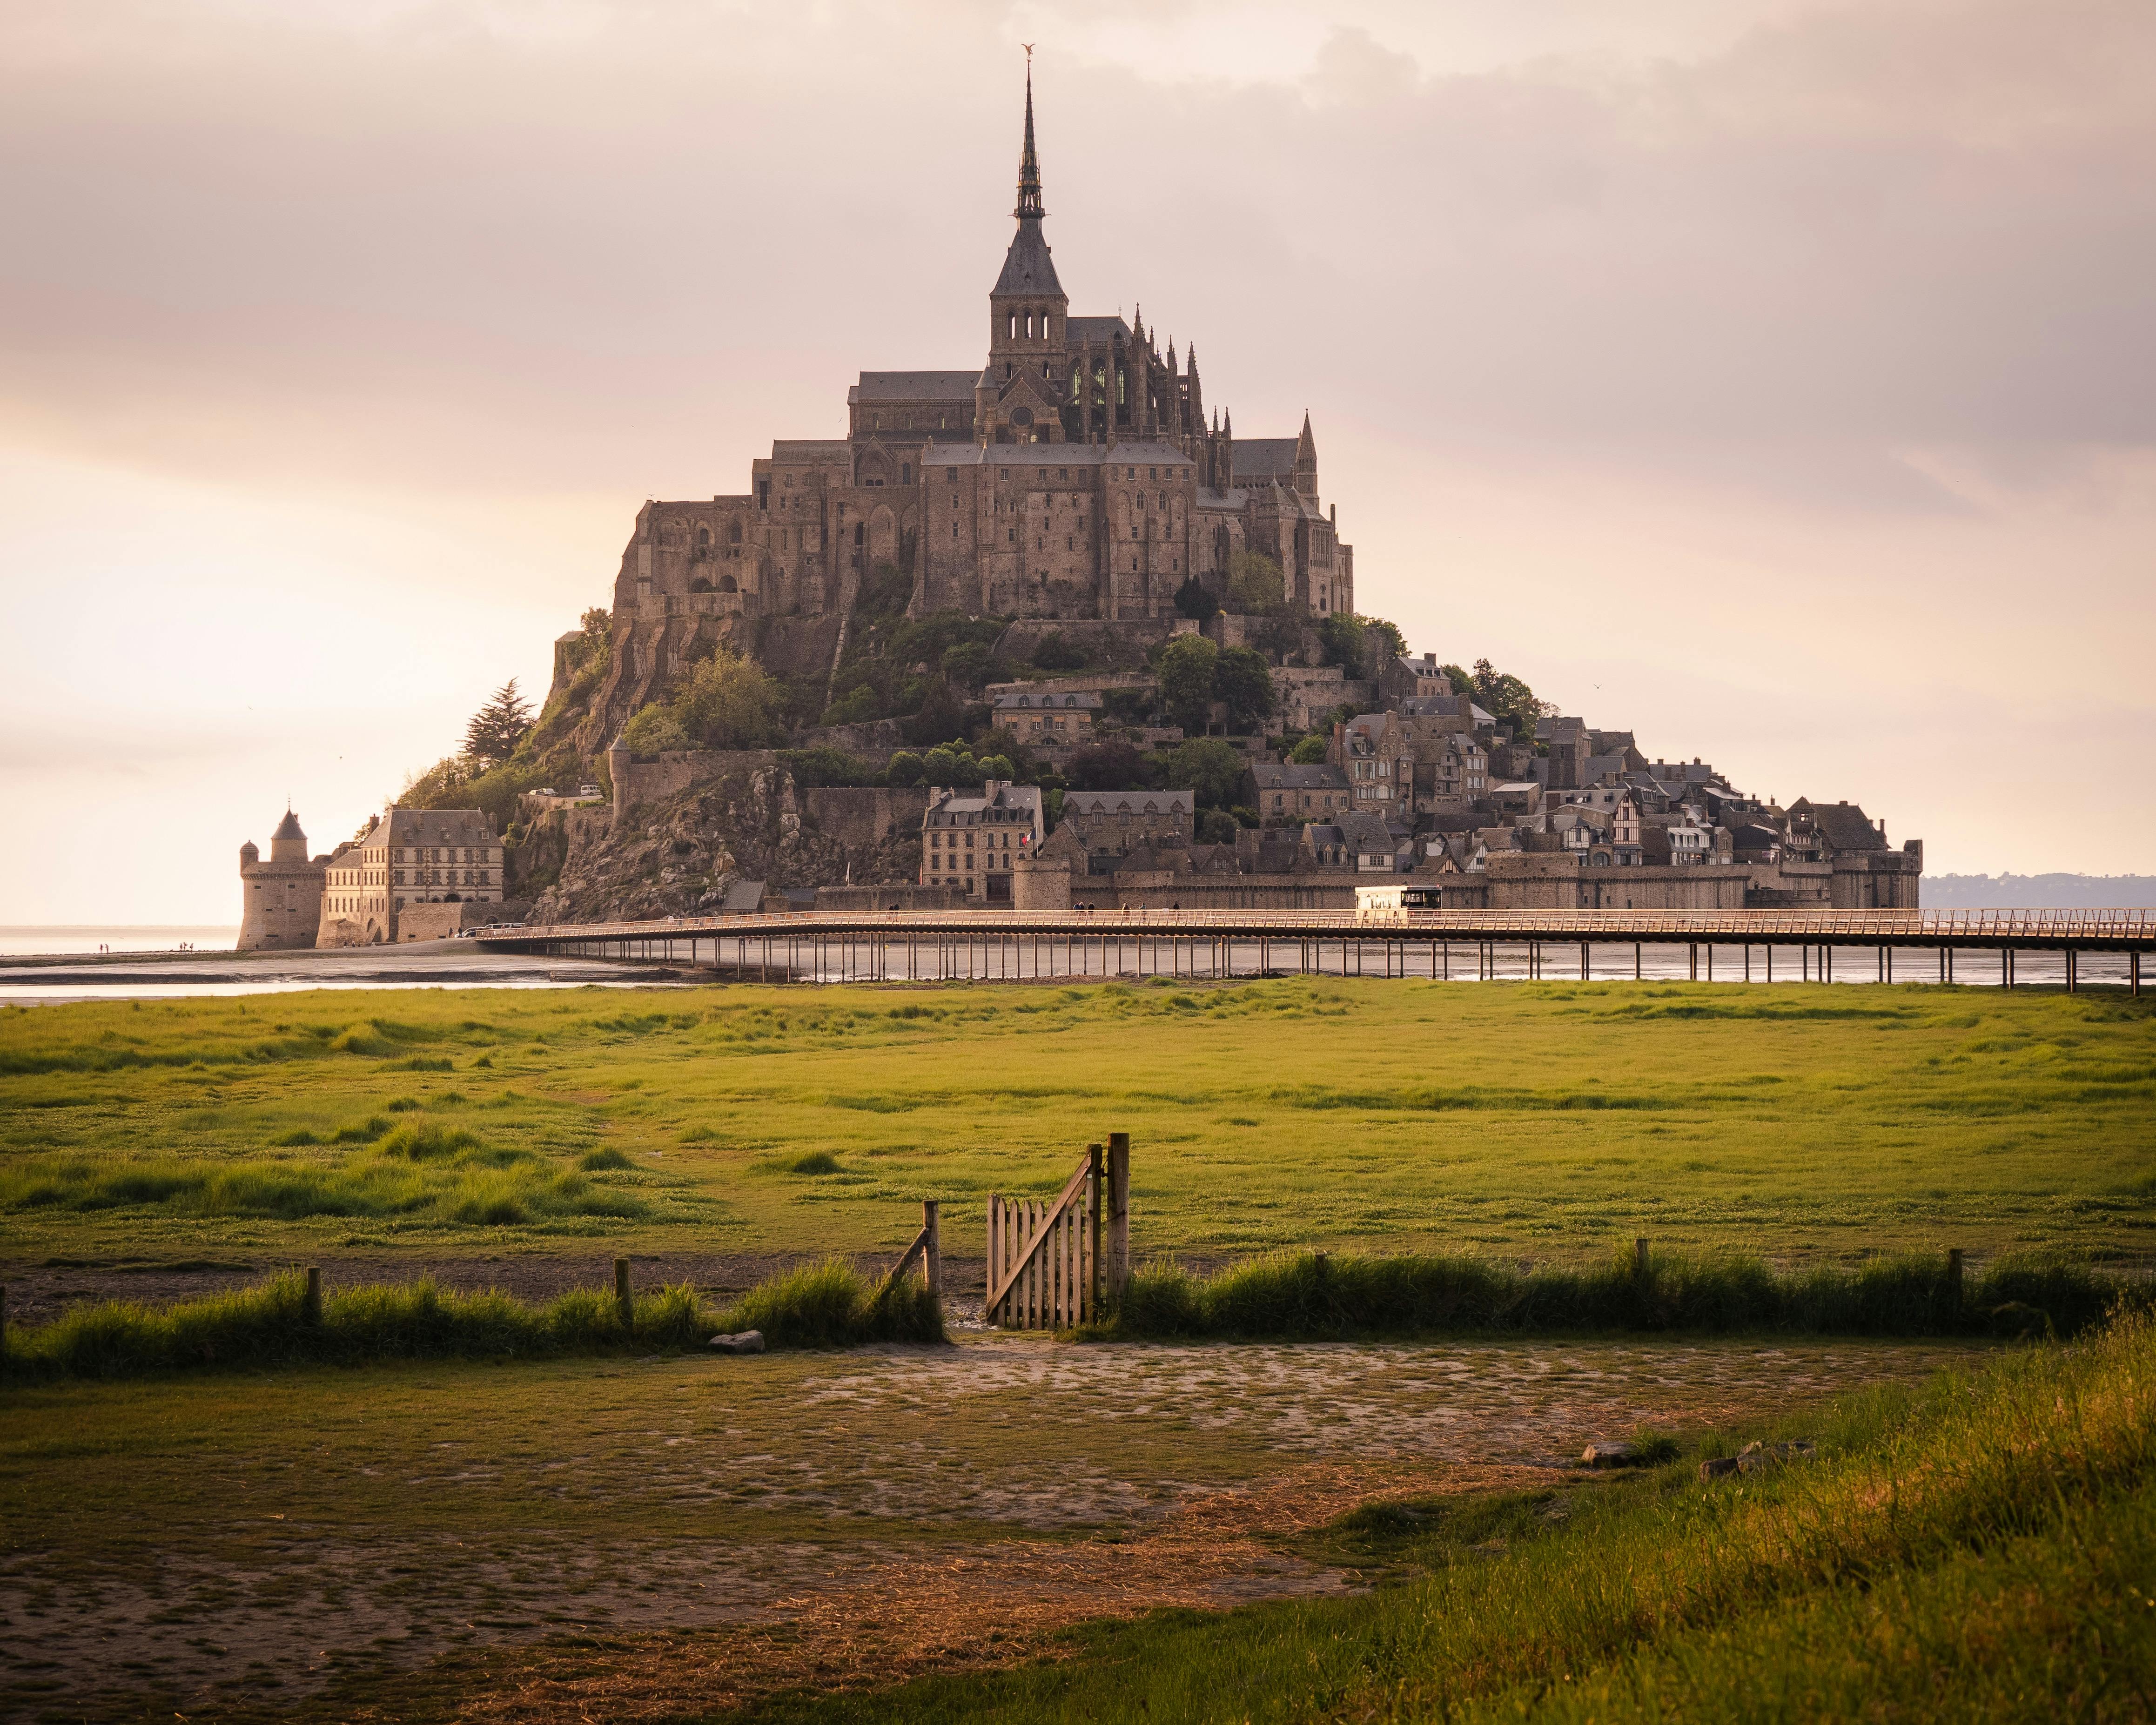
point(1424, 786)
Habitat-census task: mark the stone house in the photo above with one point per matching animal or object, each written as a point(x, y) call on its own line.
point(1048, 721)
point(408, 857)
point(1283, 793)
point(1374, 753)
point(972, 842)
point(1117, 823)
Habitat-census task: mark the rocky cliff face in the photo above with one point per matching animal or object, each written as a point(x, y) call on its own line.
point(677, 857)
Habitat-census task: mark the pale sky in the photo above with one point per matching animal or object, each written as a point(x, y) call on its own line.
point(1776, 379)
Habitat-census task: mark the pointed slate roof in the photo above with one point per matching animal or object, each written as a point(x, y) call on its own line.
point(289, 828)
point(1027, 267)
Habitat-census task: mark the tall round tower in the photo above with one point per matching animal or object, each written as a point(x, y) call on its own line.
point(281, 899)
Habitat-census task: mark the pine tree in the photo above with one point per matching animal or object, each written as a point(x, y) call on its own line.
point(499, 726)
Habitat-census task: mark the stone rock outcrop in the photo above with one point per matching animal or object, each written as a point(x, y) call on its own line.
point(678, 856)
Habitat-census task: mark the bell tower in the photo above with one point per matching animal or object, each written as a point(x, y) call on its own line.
point(1026, 311)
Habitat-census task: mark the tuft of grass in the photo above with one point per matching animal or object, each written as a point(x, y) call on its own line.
point(828, 1305)
point(816, 1161)
point(832, 1304)
point(420, 1170)
point(1295, 1297)
point(599, 1161)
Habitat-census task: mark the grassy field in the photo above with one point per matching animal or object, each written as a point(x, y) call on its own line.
point(1527, 1120)
point(1550, 1120)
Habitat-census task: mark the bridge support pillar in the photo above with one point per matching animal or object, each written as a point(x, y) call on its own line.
point(2133, 974)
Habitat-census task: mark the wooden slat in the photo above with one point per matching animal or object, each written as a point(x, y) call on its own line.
point(995, 1216)
point(913, 1255)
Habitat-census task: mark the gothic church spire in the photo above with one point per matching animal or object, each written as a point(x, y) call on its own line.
point(1028, 163)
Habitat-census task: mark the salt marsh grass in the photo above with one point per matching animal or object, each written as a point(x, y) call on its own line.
point(829, 1305)
point(1544, 1122)
point(1297, 1297)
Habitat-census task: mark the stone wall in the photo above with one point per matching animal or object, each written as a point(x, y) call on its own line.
point(859, 816)
point(653, 779)
point(440, 921)
point(898, 895)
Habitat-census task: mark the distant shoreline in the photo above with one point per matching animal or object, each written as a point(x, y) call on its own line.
point(2038, 892)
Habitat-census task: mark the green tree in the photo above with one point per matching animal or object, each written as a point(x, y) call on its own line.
point(1243, 683)
point(654, 728)
point(1208, 768)
point(999, 766)
point(1216, 826)
point(905, 768)
point(965, 665)
point(1185, 669)
point(1112, 764)
point(1193, 599)
point(439, 786)
point(1357, 644)
point(952, 765)
point(1508, 700)
point(1462, 683)
point(1256, 584)
point(1312, 751)
point(856, 705)
point(498, 727)
point(728, 702)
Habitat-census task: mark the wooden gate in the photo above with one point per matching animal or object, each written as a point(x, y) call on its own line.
point(1050, 1267)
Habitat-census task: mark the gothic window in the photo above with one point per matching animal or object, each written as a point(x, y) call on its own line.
point(906, 473)
point(733, 533)
point(704, 537)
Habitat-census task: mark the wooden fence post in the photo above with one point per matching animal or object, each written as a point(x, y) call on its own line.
point(1119, 1213)
point(1639, 1260)
point(1093, 1197)
point(313, 1307)
point(932, 1261)
point(622, 1297)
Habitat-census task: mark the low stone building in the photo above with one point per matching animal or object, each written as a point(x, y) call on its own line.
point(1119, 822)
point(408, 857)
point(280, 900)
point(1048, 721)
point(1289, 794)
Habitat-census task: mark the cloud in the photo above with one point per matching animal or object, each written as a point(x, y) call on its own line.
point(1640, 339)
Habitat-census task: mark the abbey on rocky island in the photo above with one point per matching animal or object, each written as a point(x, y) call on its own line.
point(1074, 475)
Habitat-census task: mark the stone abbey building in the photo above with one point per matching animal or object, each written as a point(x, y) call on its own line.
point(1075, 475)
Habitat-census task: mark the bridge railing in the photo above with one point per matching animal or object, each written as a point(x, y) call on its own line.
point(1989, 927)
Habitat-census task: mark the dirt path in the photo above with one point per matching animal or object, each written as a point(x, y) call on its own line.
point(919, 1509)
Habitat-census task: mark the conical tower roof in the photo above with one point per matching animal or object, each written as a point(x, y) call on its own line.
point(289, 828)
point(1027, 269)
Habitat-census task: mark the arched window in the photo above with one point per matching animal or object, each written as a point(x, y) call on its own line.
point(704, 537)
point(728, 584)
point(733, 533)
point(906, 473)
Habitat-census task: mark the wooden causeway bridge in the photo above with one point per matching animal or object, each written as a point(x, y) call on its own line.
point(1028, 946)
